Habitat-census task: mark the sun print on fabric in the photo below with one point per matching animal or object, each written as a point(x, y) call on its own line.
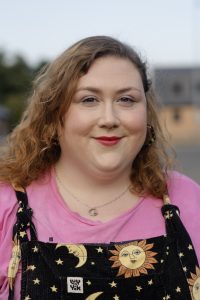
point(194, 284)
point(133, 259)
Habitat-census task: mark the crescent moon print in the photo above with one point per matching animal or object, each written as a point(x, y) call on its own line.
point(78, 251)
point(94, 296)
point(133, 258)
point(194, 282)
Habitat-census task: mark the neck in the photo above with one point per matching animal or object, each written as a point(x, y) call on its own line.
point(103, 193)
point(85, 183)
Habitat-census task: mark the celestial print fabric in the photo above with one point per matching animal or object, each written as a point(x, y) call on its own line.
point(158, 268)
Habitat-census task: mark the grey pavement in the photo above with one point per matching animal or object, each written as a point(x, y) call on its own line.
point(188, 157)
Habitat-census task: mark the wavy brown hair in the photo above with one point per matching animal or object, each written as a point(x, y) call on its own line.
point(33, 147)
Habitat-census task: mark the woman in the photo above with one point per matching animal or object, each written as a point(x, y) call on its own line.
point(86, 172)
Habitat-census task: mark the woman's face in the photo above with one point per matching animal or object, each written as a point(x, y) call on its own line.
point(105, 126)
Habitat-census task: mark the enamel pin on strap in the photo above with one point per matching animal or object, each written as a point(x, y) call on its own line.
point(14, 262)
point(16, 253)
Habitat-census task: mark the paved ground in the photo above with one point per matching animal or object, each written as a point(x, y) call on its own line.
point(189, 160)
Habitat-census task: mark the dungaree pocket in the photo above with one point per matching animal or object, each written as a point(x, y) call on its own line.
point(87, 288)
point(53, 271)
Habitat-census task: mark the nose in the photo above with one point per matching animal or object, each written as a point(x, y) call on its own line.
point(109, 117)
point(132, 258)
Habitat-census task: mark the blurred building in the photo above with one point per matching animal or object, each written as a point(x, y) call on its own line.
point(178, 90)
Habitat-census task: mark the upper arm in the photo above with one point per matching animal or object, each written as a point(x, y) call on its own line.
point(185, 193)
point(8, 209)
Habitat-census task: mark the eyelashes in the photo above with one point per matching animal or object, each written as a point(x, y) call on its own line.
point(89, 100)
point(92, 101)
point(126, 100)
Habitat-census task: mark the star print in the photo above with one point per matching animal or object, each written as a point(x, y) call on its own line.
point(27, 298)
point(20, 209)
point(88, 282)
point(178, 289)
point(35, 249)
point(92, 263)
point(59, 261)
point(185, 269)
point(116, 297)
point(168, 215)
point(53, 289)
point(113, 284)
point(181, 254)
point(99, 250)
point(190, 247)
point(31, 267)
point(36, 281)
point(150, 282)
point(162, 261)
point(22, 233)
point(138, 288)
point(167, 253)
point(168, 297)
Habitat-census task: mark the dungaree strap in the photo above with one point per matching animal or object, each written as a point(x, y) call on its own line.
point(24, 219)
point(21, 229)
point(176, 230)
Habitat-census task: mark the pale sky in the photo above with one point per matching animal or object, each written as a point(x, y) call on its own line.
point(166, 32)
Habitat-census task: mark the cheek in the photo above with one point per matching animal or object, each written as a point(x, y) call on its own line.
point(137, 119)
point(76, 124)
point(136, 123)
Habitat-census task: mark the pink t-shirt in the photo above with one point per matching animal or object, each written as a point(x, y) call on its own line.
point(54, 220)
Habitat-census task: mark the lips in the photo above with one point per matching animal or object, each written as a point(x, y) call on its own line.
point(108, 140)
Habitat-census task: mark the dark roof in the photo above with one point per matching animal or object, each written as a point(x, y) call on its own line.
point(177, 85)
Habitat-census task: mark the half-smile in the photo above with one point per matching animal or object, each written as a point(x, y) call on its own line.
point(108, 140)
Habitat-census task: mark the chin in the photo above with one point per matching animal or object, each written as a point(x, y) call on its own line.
point(109, 167)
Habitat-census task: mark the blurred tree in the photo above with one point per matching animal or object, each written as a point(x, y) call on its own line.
point(41, 65)
point(15, 84)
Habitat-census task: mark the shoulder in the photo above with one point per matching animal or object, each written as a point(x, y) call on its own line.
point(8, 210)
point(8, 206)
point(7, 198)
point(183, 191)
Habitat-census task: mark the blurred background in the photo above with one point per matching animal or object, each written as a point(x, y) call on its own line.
point(166, 34)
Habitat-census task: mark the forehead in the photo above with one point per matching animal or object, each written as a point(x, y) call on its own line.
point(130, 248)
point(111, 70)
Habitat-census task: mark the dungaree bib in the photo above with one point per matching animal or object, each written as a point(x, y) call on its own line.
point(158, 268)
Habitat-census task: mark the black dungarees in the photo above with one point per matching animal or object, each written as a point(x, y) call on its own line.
point(159, 268)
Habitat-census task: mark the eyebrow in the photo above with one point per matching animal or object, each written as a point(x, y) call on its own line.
point(96, 90)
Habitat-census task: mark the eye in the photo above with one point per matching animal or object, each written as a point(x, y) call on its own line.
point(197, 286)
point(136, 252)
point(89, 101)
point(124, 254)
point(125, 100)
